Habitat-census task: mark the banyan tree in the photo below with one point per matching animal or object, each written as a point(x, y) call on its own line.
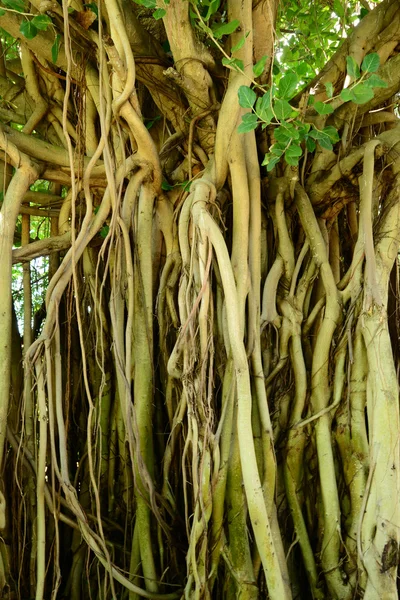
point(199, 299)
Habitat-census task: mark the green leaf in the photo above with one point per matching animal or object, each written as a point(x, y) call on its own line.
point(159, 13)
point(320, 55)
point(285, 133)
point(247, 97)
point(249, 123)
point(294, 150)
point(282, 110)
point(17, 5)
point(2, 12)
point(329, 89)
point(352, 67)
point(374, 81)
point(287, 86)
point(166, 186)
point(259, 67)
point(235, 63)
point(151, 122)
point(263, 107)
point(201, 24)
point(323, 109)
point(338, 8)
point(302, 128)
point(316, 134)
point(55, 48)
point(147, 3)
point(311, 145)
point(272, 163)
point(225, 29)
point(277, 150)
point(239, 45)
point(41, 22)
point(347, 95)
point(282, 135)
point(326, 143)
point(28, 30)
point(292, 160)
point(271, 160)
point(212, 9)
point(332, 133)
point(371, 63)
point(104, 231)
point(266, 116)
point(322, 138)
point(302, 69)
point(362, 93)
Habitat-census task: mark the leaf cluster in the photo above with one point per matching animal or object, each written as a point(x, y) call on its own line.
point(291, 134)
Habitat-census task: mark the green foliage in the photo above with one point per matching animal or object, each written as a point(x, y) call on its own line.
point(147, 3)
point(39, 229)
point(234, 63)
point(375, 81)
point(286, 132)
point(210, 8)
point(225, 29)
point(329, 89)
point(287, 86)
point(259, 67)
point(247, 96)
point(310, 144)
point(239, 45)
point(362, 93)
point(332, 133)
point(185, 185)
point(309, 33)
point(264, 108)
point(290, 134)
point(338, 8)
point(104, 231)
point(150, 122)
point(17, 5)
point(371, 62)
point(40, 185)
point(249, 122)
point(326, 138)
point(323, 109)
point(41, 22)
point(159, 13)
point(282, 109)
point(31, 28)
point(55, 48)
point(28, 30)
point(352, 67)
point(293, 154)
